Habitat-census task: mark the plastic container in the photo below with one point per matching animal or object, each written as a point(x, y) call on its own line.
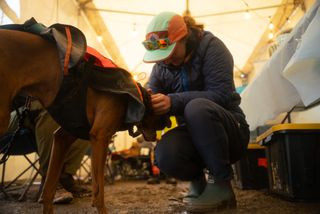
point(293, 154)
point(250, 172)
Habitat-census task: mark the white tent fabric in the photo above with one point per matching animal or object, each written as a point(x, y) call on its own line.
point(270, 94)
point(126, 20)
point(238, 33)
point(67, 12)
point(303, 70)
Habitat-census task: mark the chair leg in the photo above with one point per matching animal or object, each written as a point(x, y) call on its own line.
point(5, 188)
point(109, 175)
point(22, 173)
point(33, 164)
point(23, 195)
point(84, 166)
point(2, 187)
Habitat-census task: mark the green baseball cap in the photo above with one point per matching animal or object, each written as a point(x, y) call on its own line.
point(164, 30)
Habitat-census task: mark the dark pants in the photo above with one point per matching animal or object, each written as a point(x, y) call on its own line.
point(212, 138)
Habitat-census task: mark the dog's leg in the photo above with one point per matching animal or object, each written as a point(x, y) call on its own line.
point(61, 144)
point(99, 152)
point(105, 113)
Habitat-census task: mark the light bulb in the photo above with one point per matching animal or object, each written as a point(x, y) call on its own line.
point(247, 15)
point(134, 30)
point(99, 38)
point(288, 21)
point(270, 35)
point(271, 26)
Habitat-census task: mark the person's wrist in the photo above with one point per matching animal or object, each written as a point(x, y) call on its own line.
point(171, 106)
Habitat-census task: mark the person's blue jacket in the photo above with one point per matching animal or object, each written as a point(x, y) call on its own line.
point(208, 74)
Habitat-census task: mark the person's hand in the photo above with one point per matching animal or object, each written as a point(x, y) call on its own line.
point(160, 103)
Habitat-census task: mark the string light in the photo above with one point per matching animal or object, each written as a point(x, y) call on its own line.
point(99, 38)
point(243, 75)
point(271, 29)
point(134, 30)
point(247, 15)
point(271, 26)
point(270, 35)
point(288, 20)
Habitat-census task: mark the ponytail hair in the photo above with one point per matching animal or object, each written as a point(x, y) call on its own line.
point(194, 35)
point(192, 25)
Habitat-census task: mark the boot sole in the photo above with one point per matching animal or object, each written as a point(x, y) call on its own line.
point(204, 208)
point(189, 198)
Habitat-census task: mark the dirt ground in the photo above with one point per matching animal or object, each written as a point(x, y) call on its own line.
point(138, 197)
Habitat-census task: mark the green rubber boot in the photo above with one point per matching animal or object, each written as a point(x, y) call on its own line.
point(196, 187)
point(216, 196)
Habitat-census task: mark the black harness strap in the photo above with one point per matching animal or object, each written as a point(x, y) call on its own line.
point(21, 116)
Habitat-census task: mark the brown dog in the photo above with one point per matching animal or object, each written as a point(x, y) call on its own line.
point(30, 65)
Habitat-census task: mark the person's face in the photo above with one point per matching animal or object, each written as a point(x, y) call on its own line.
point(178, 55)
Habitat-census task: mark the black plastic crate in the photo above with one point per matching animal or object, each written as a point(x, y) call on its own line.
point(293, 153)
point(250, 172)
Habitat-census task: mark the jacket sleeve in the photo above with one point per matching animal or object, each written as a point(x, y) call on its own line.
point(154, 83)
point(217, 71)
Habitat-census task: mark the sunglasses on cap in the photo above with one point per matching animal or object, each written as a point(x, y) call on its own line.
point(154, 44)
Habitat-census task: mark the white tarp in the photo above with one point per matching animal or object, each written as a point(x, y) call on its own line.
point(303, 70)
point(270, 94)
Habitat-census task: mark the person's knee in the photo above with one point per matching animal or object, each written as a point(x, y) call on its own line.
point(201, 109)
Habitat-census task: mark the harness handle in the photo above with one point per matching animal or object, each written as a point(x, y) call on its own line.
point(68, 51)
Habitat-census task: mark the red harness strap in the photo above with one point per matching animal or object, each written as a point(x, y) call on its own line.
point(103, 61)
point(139, 91)
point(68, 51)
point(100, 60)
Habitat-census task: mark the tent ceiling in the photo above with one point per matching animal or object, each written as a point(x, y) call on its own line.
point(126, 20)
point(122, 23)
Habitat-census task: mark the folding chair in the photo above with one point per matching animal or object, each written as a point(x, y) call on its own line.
point(84, 172)
point(19, 143)
point(85, 167)
point(24, 144)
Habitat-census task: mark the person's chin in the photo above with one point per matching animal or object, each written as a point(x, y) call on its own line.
point(177, 64)
point(172, 66)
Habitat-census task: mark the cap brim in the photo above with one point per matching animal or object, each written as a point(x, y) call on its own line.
point(159, 54)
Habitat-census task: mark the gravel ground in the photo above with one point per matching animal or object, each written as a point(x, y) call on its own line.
point(138, 197)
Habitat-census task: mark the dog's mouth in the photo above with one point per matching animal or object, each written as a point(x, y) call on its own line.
point(149, 134)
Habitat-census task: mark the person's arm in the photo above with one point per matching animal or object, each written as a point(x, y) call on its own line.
point(154, 84)
point(217, 70)
point(161, 103)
